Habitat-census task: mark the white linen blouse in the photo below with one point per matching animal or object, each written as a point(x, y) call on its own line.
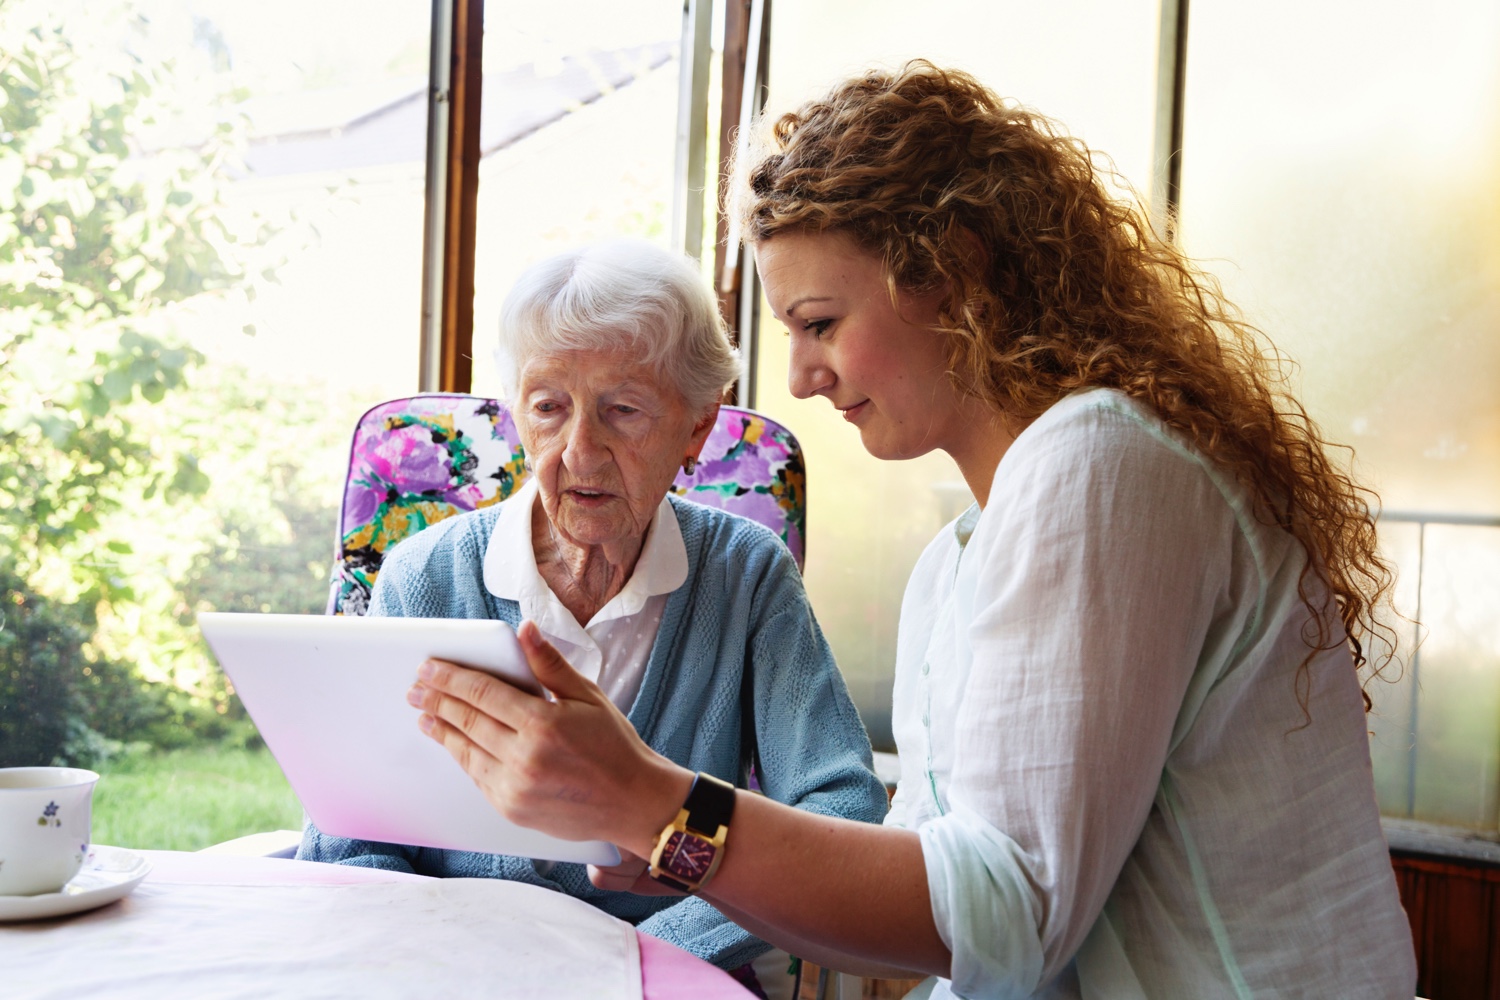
point(1096, 706)
point(613, 648)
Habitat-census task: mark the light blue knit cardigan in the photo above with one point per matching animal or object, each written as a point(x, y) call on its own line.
point(742, 606)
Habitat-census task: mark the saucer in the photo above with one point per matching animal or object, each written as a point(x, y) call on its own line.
point(108, 874)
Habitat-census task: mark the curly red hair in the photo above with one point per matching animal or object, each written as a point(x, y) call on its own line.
point(1052, 284)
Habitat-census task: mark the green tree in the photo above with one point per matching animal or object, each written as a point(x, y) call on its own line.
point(60, 702)
point(106, 221)
point(98, 234)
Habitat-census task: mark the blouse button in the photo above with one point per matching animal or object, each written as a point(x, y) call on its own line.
point(926, 668)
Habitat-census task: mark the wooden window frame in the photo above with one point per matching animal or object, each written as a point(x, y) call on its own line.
point(456, 75)
point(1171, 89)
point(746, 75)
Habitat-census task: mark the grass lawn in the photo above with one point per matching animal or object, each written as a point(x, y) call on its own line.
point(184, 800)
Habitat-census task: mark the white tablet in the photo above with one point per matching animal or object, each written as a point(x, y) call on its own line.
point(329, 697)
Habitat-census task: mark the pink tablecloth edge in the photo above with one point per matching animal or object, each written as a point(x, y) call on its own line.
point(665, 976)
point(667, 972)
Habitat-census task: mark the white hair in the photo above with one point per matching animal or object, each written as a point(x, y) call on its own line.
point(620, 295)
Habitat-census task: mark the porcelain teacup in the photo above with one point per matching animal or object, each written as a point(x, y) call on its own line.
point(44, 827)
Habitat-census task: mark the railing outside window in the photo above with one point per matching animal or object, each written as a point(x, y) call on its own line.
point(1435, 730)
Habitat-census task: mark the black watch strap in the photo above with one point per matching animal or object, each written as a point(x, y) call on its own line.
point(709, 804)
point(670, 882)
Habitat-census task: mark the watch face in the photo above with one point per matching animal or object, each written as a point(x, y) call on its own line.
point(688, 856)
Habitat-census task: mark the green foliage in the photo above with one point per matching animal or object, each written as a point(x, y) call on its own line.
point(260, 540)
point(60, 703)
point(186, 800)
point(271, 541)
point(39, 659)
point(115, 143)
point(97, 236)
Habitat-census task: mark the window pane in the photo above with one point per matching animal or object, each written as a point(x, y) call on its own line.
point(578, 140)
point(869, 520)
point(1390, 717)
point(210, 239)
point(1457, 743)
point(1343, 174)
point(1441, 764)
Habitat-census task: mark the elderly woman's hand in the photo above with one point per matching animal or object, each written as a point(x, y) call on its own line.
point(630, 875)
point(573, 767)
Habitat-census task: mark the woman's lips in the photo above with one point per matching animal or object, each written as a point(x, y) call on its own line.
point(853, 412)
point(587, 497)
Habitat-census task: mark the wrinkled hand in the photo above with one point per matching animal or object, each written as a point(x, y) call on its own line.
point(629, 876)
point(573, 767)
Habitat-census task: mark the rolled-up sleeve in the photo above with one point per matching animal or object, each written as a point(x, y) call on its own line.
point(985, 910)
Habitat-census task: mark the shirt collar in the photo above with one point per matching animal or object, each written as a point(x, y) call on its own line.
point(510, 570)
point(963, 527)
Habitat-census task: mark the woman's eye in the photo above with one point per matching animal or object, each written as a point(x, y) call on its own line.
point(546, 407)
point(818, 327)
point(627, 410)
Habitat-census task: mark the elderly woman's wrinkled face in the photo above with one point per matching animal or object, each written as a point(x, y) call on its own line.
point(605, 437)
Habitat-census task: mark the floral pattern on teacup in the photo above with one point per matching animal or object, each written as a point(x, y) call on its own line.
point(49, 816)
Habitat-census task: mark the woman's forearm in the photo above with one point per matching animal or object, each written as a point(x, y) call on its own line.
point(851, 895)
point(576, 768)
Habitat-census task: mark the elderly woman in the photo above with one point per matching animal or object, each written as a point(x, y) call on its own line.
point(614, 359)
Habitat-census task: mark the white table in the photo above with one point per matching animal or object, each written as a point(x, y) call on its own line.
point(215, 926)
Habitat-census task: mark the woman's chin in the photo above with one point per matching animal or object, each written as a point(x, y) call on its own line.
point(590, 528)
point(889, 449)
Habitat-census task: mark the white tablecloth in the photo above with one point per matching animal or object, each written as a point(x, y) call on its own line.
point(404, 938)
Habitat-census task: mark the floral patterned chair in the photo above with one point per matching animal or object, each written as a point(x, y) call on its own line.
point(416, 461)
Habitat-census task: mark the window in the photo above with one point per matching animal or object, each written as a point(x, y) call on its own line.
point(577, 143)
point(1340, 179)
point(211, 231)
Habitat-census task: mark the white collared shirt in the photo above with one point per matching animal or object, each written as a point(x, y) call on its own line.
point(613, 648)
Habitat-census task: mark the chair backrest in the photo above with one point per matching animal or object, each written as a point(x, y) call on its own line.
point(416, 461)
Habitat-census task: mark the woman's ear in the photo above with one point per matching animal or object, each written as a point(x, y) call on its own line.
point(701, 430)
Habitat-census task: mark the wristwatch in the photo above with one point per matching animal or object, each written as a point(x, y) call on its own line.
point(689, 850)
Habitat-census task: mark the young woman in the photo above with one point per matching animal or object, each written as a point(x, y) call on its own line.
point(1133, 746)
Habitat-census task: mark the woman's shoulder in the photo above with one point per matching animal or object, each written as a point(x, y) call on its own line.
point(437, 572)
point(1101, 460)
point(1106, 432)
point(720, 527)
point(1100, 412)
point(1102, 454)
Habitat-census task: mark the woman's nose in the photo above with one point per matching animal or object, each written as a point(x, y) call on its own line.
point(585, 450)
point(808, 373)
